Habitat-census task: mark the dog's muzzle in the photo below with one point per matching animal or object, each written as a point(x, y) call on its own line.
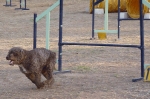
point(7, 58)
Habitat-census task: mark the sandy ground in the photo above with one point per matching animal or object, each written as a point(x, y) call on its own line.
point(96, 72)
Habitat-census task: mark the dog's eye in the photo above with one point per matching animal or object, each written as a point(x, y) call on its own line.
point(15, 54)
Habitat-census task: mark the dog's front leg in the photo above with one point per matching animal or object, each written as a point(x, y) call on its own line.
point(38, 81)
point(30, 76)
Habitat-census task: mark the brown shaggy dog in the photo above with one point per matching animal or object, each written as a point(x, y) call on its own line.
point(34, 63)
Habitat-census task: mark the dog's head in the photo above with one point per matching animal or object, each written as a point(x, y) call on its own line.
point(15, 55)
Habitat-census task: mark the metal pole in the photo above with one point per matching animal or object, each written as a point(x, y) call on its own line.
point(94, 44)
point(142, 38)
point(20, 4)
point(118, 18)
point(47, 30)
point(106, 15)
point(141, 42)
point(25, 3)
point(60, 36)
point(6, 2)
point(93, 17)
point(34, 31)
point(10, 2)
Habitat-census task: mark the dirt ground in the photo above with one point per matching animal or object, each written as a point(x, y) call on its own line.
point(96, 72)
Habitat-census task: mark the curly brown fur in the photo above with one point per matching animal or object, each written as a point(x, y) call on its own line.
point(34, 63)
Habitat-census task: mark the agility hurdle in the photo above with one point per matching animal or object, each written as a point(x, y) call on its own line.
point(60, 43)
point(36, 19)
point(8, 4)
point(141, 46)
point(23, 5)
point(106, 30)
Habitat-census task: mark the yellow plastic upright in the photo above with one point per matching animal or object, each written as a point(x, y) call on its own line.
point(102, 36)
point(147, 74)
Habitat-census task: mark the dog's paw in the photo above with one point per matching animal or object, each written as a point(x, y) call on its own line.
point(41, 86)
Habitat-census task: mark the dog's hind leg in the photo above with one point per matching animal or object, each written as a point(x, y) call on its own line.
point(48, 74)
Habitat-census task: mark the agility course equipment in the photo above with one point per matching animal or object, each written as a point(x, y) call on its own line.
point(91, 6)
point(146, 3)
point(102, 35)
point(147, 73)
point(133, 8)
point(112, 5)
point(141, 46)
point(120, 8)
point(37, 18)
point(61, 43)
point(8, 4)
point(23, 5)
point(105, 30)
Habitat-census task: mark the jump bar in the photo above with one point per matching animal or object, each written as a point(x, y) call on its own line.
point(111, 45)
point(98, 1)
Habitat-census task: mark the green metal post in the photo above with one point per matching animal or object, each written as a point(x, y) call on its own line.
point(106, 15)
point(47, 30)
point(145, 2)
point(22, 3)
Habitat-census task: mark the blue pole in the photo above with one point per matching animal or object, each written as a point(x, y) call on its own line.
point(25, 5)
point(6, 3)
point(141, 42)
point(118, 18)
point(93, 17)
point(98, 1)
point(93, 44)
point(20, 4)
point(142, 38)
point(60, 35)
point(10, 2)
point(34, 31)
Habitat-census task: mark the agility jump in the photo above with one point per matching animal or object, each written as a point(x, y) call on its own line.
point(141, 46)
point(60, 43)
point(23, 5)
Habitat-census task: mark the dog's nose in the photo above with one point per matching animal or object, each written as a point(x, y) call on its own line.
point(7, 58)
